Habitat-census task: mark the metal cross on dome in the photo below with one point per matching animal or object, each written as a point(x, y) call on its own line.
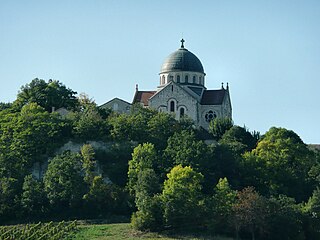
point(182, 41)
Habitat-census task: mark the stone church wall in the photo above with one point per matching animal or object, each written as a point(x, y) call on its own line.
point(172, 92)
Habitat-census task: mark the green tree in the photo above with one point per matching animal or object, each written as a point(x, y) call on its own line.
point(219, 126)
point(47, 95)
point(160, 127)
point(29, 136)
point(283, 163)
point(63, 181)
point(239, 139)
point(312, 211)
point(143, 157)
point(222, 206)
point(4, 106)
point(182, 199)
point(185, 149)
point(88, 162)
point(149, 210)
point(9, 203)
point(33, 199)
point(132, 127)
point(284, 219)
point(99, 199)
point(89, 123)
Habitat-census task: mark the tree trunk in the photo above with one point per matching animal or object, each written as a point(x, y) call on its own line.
point(252, 235)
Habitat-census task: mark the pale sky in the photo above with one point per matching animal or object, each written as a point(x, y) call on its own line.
point(268, 51)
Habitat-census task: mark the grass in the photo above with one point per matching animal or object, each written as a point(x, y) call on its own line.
point(124, 231)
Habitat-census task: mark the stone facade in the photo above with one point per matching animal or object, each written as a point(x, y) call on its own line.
point(117, 105)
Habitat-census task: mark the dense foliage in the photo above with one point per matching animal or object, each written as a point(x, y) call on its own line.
point(152, 167)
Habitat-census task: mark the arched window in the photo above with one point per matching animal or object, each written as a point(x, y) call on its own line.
point(186, 78)
point(194, 79)
point(172, 106)
point(178, 79)
point(181, 112)
point(171, 78)
point(163, 79)
point(200, 80)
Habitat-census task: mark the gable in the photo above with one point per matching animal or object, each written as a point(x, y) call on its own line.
point(173, 90)
point(118, 100)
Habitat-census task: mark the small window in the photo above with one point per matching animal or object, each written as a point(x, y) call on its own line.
point(194, 79)
point(210, 115)
point(181, 112)
point(171, 78)
point(186, 78)
point(115, 107)
point(172, 106)
point(163, 79)
point(178, 79)
point(200, 80)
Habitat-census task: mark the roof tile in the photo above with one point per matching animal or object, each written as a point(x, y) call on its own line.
point(143, 97)
point(213, 97)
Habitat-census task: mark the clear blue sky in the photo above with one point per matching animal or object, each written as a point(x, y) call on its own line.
point(268, 51)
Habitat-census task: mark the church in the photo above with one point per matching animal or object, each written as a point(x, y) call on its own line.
point(181, 92)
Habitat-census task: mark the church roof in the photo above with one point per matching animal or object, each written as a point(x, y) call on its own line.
point(115, 99)
point(143, 97)
point(213, 97)
point(182, 60)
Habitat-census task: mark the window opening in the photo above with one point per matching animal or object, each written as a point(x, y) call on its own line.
point(172, 106)
point(181, 112)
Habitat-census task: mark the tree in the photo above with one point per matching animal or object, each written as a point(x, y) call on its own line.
point(312, 211)
point(219, 126)
point(132, 127)
point(29, 136)
point(283, 163)
point(181, 198)
point(99, 199)
point(185, 149)
point(89, 123)
point(144, 156)
point(239, 139)
point(9, 191)
point(284, 220)
point(51, 94)
point(33, 199)
point(63, 182)
point(222, 205)
point(160, 127)
point(249, 211)
point(143, 184)
point(149, 208)
point(4, 106)
point(88, 162)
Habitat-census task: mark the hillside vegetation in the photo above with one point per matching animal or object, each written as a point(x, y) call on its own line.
point(155, 169)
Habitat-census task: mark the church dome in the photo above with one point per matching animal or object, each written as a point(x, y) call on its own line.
point(182, 60)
